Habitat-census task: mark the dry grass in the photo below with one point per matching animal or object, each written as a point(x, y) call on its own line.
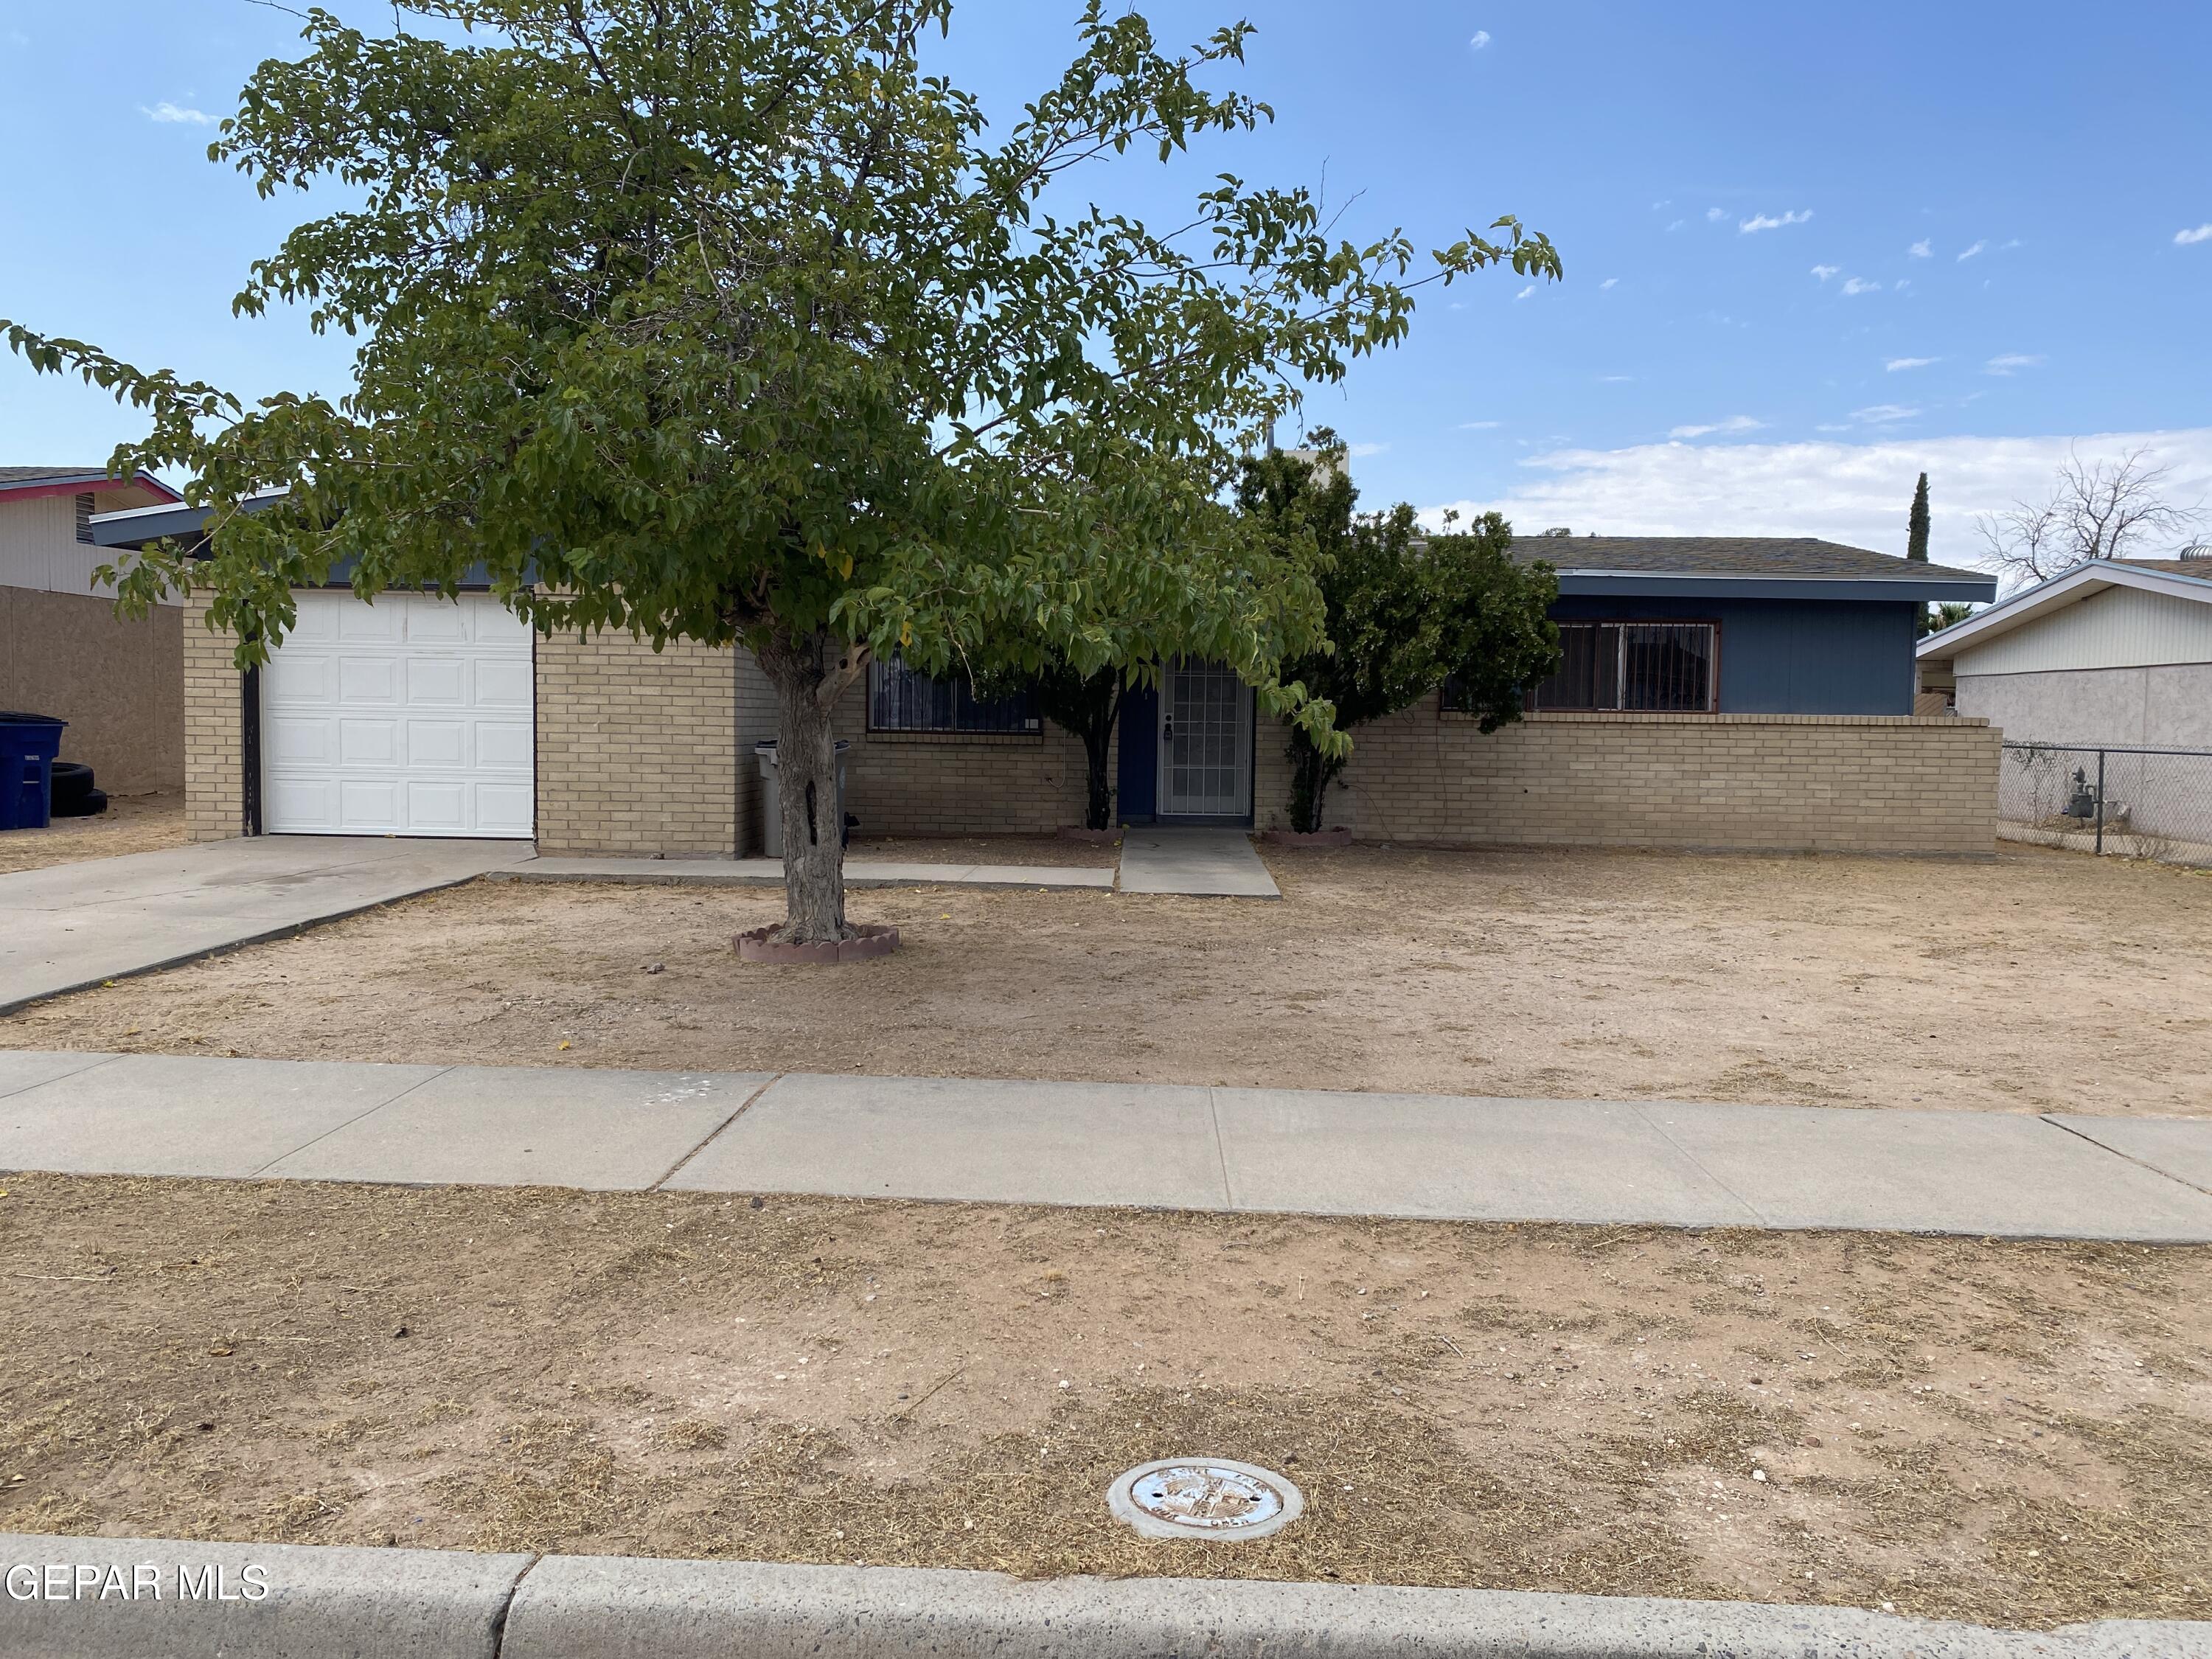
point(2041, 981)
point(2011, 1432)
point(131, 823)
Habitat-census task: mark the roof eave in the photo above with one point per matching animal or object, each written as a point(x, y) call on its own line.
point(2071, 588)
point(1714, 584)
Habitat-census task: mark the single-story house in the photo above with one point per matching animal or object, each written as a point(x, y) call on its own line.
point(64, 652)
point(1717, 692)
point(2114, 655)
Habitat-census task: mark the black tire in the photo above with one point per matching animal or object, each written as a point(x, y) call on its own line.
point(90, 805)
point(72, 782)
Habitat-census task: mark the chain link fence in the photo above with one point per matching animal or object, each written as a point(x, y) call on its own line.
point(2129, 803)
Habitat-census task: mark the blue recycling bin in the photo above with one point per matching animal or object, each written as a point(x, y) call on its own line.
point(29, 744)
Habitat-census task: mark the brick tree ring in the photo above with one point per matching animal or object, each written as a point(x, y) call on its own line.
point(869, 939)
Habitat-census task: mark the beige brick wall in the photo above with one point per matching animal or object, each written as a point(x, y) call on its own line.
point(636, 748)
point(1764, 783)
point(214, 740)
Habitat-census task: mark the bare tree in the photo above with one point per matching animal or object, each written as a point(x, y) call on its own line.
point(2095, 510)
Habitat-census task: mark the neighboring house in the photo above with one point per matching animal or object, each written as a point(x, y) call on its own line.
point(1717, 692)
point(2111, 653)
point(63, 650)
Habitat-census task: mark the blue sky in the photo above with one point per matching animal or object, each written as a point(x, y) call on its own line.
point(1980, 257)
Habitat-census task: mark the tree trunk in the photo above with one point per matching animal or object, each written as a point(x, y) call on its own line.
point(809, 673)
point(1098, 812)
point(1311, 774)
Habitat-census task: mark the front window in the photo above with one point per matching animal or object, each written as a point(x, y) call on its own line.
point(901, 699)
point(1638, 666)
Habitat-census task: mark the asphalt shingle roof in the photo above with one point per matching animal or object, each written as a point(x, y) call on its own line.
point(23, 475)
point(2200, 569)
point(1728, 555)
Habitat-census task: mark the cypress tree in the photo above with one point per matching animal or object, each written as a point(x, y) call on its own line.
point(1915, 534)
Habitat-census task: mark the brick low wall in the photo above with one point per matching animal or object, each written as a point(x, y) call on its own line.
point(636, 748)
point(1895, 784)
point(215, 730)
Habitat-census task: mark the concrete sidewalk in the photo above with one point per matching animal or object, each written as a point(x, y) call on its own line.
point(1262, 1150)
point(769, 872)
point(69, 925)
point(1194, 862)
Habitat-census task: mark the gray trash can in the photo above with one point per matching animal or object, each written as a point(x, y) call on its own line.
point(772, 795)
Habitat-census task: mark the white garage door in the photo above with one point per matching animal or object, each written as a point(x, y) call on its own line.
point(411, 716)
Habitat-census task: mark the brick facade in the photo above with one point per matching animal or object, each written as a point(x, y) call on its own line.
point(644, 753)
point(215, 730)
point(1834, 783)
point(636, 748)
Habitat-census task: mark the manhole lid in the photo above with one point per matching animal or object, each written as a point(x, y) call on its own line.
point(1204, 1498)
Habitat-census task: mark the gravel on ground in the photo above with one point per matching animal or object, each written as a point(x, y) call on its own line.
point(2015, 1433)
point(2041, 981)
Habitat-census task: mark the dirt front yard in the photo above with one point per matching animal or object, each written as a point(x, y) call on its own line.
point(2007, 1432)
point(131, 823)
point(2044, 981)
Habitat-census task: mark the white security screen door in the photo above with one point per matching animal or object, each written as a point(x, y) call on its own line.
point(411, 716)
point(1206, 743)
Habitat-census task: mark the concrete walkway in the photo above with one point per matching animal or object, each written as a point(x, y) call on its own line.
point(1201, 863)
point(1979, 1174)
point(769, 872)
point(1192, 862)
point(70, 926)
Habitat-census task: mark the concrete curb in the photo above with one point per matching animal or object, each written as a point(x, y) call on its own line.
point(322, 1603)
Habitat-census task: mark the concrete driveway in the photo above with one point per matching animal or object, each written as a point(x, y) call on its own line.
point(70, 926)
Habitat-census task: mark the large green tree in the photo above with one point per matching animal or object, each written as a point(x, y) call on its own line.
point(1403, 612)
point(723, 320)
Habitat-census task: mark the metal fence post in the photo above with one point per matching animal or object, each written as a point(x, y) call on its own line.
point(2100, 803)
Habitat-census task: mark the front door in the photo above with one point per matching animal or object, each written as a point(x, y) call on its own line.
point(1206, 743)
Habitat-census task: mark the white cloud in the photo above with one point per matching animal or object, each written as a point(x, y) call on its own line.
point(1678, 224)
point(1481, 39)
point(1825, 272)
point(1919, 250)
point(1615, 379)
point(1896, 363)
point(1883, 414)
point(1607, 283)
point(1851, 492)
point(1479, 426)
point(1972, 251)
point(1860, 285)
point(2010, 361)
point(1733, 423)
point(1758, 222)
point(165, 112)
point(1526, 292)
point(1361, 452)
point(2190, 237)
point(1714, 215)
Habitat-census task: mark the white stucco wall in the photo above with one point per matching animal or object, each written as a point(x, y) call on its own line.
point(2168, 706)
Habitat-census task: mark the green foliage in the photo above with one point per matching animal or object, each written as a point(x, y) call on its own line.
point(721, 320)
point(1934, 619)
point(1405, 612)
point(1916, 531)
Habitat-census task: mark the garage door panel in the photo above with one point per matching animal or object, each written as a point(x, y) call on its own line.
point(437, 807)
point(412, 716)
point(309, 806)
point(310, 742)
point(372, 680)
point(438, 682)
point(384, 622)
point(443, 744)
point(503, 808)
point(504, 683)
point(438, 624)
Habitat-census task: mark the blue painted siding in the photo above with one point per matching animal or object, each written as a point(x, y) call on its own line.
point(1786, 656)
